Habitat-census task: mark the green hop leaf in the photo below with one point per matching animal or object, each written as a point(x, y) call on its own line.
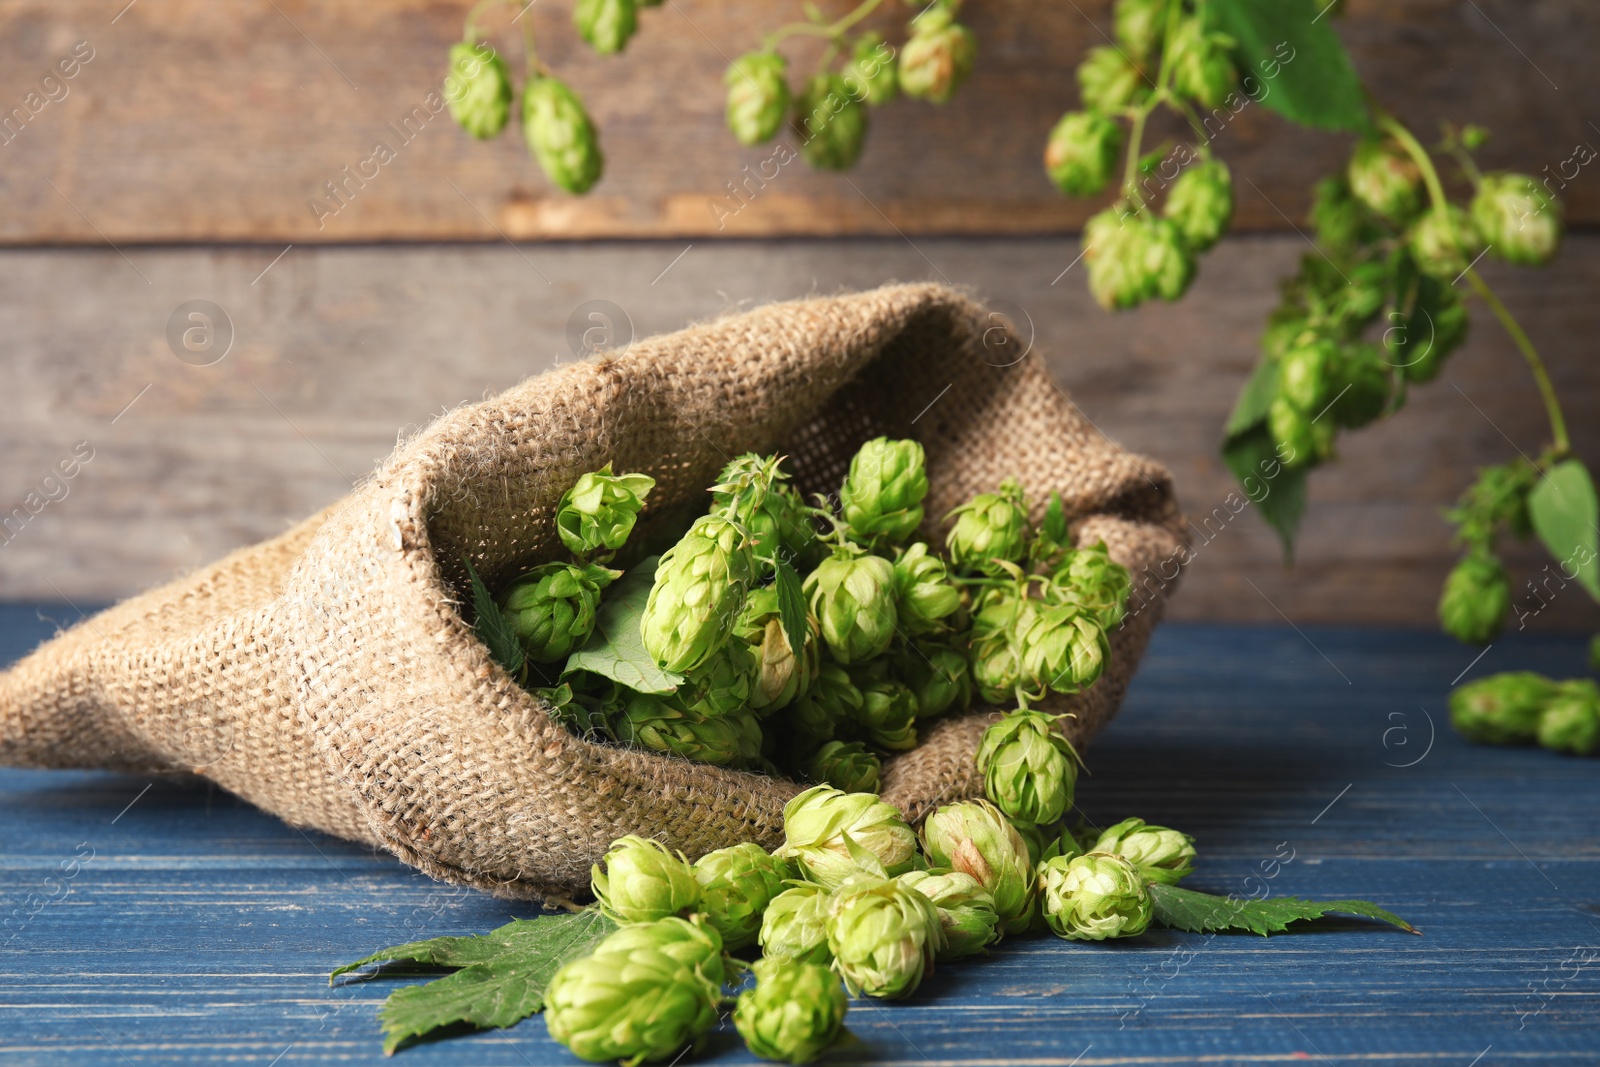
point(853, 599)
point(821, 824)
point(1160, 854)
point(758, 96)
point(1109, 81)
point(966, 910)
point(699, 594)
point(552, 607)
point(1385, 180)
point(1444, 243)
point(1094, 897)
point(736, 885)
point(606, 24)
point(883, 936)
point(973, 837)
point(1081, 155)
point(643, 881)
point(831, 122)
point(870, 74)
point(795, 925)
point(794, 1013)
point(881, 499)
point(560, 135)
point(846, 765)
point(1029, 770)
point(1565, 514)
point(937, 58)
point(1476, 597)
point(478, 89)
point(599, 511)
point(1200, 204)
point(1571, 720)
point(1502, 709)
point(1184, 909)
point(1518, 218)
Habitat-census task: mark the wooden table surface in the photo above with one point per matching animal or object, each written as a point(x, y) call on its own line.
point(166, 922)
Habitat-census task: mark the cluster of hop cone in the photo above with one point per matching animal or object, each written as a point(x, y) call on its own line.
point(854, 899)
point(745, 663)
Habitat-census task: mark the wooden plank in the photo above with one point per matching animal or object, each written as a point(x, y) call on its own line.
point(196, 121)
point(196, 930)
point(338, 350)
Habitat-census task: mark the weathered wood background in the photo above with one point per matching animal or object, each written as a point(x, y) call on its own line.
point(180, 163)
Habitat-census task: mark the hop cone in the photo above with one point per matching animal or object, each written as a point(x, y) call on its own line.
point(1028, 769)
point(1081, 155)
point(721, 686)
point(736, 885)
point(870, 73)
point(1385, 179)
point(881, 498)
point(990, 527)
point(831, 122)
point(647, 721)
point(924, 595)
point(1427, 332)
point(643, 881)
point(598, 512)
point(1094, 897)
point(552, 607)
point(832, 700)
point(1200, 204)
point(1444, 243)
point(939, 678)
point(1502, 708)
point(1571, 721)
point(781, 675)
point(853, 600)
point(1341, 221)
point(966, 910)
point(815, 825)
point(793, 1014)
point(974, 838)
point(1140, 24)
point(1518, 217)
point(1063, 648)
point(699, 593)
point(1362, 377)
point(747, 491)
point(1201, 68)
point(1166, 264)
point(937, 58)
point(883, 936)
point(1476, 597)
point(1304, 375)
point(758, 96)
point(1113, 249)
point(1109, 81)
point(996, 666)
point(795, 925)
point(1098, 582)
point(888, 714)
point(478, 89)
point(1160, 854)
point(606, 24)
point(1293, 433)
point(642, 995)
point(845, 765)
point(560, 135)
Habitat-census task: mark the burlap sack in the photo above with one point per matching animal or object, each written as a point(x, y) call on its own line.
point(330, 677)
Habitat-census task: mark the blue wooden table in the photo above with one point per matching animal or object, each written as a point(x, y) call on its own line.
point(166, 922)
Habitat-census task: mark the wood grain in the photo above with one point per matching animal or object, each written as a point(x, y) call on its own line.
point(337, 351)
point(196, 930)
point(199, 120)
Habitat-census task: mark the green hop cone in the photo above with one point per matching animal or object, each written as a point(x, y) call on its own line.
point(883, 936)
point(1064, 649)
point(1098, 582)
point(698, 595)
point(1426, 331)
point(645, 993)
point(1518, 218)
point(817, 716)
point(606, 24)
point(1292, 433)
point(646, 721)
point(974, 838)
point(1034, 838)
point(722, 686)
point(1341, 221)
point(888, 714)
point(881, 499)
point(1081, 155)
point(560, 135)
point(1140, 24)
point(937, 58)
point(758, 96)
point(1305, 374)
point(1109, 81)
point(1571, 721)
point(990, 527)
point(793, 1014)
point(795, 925)
point(1362, 385)
point(831, 123)
point(1385, 179)
point(1160, 854)
point(1029, 770)
point(643, 881)
point(1113, 249)
point(845, 765)
point(1476, 597)
point(478, 89)
point(1502, 708)
point(816, 823)
point(736, 885)
point(598, 512)
point(966, 910)
point(781, 675)
point(853, 599)
point(925, 597)
point(1166, 262)
point(871, 70)
point(1201, 67)
point(1094, 897)
point(552, 607)
point(996, 666)
point(1200, 204)
point(1444, 243)
point(939, 678)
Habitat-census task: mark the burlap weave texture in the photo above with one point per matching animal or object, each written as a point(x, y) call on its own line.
point(331, 677)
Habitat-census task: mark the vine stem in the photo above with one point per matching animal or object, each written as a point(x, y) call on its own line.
point(1130, 169)
point(1547, 390)
point(834, 30)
